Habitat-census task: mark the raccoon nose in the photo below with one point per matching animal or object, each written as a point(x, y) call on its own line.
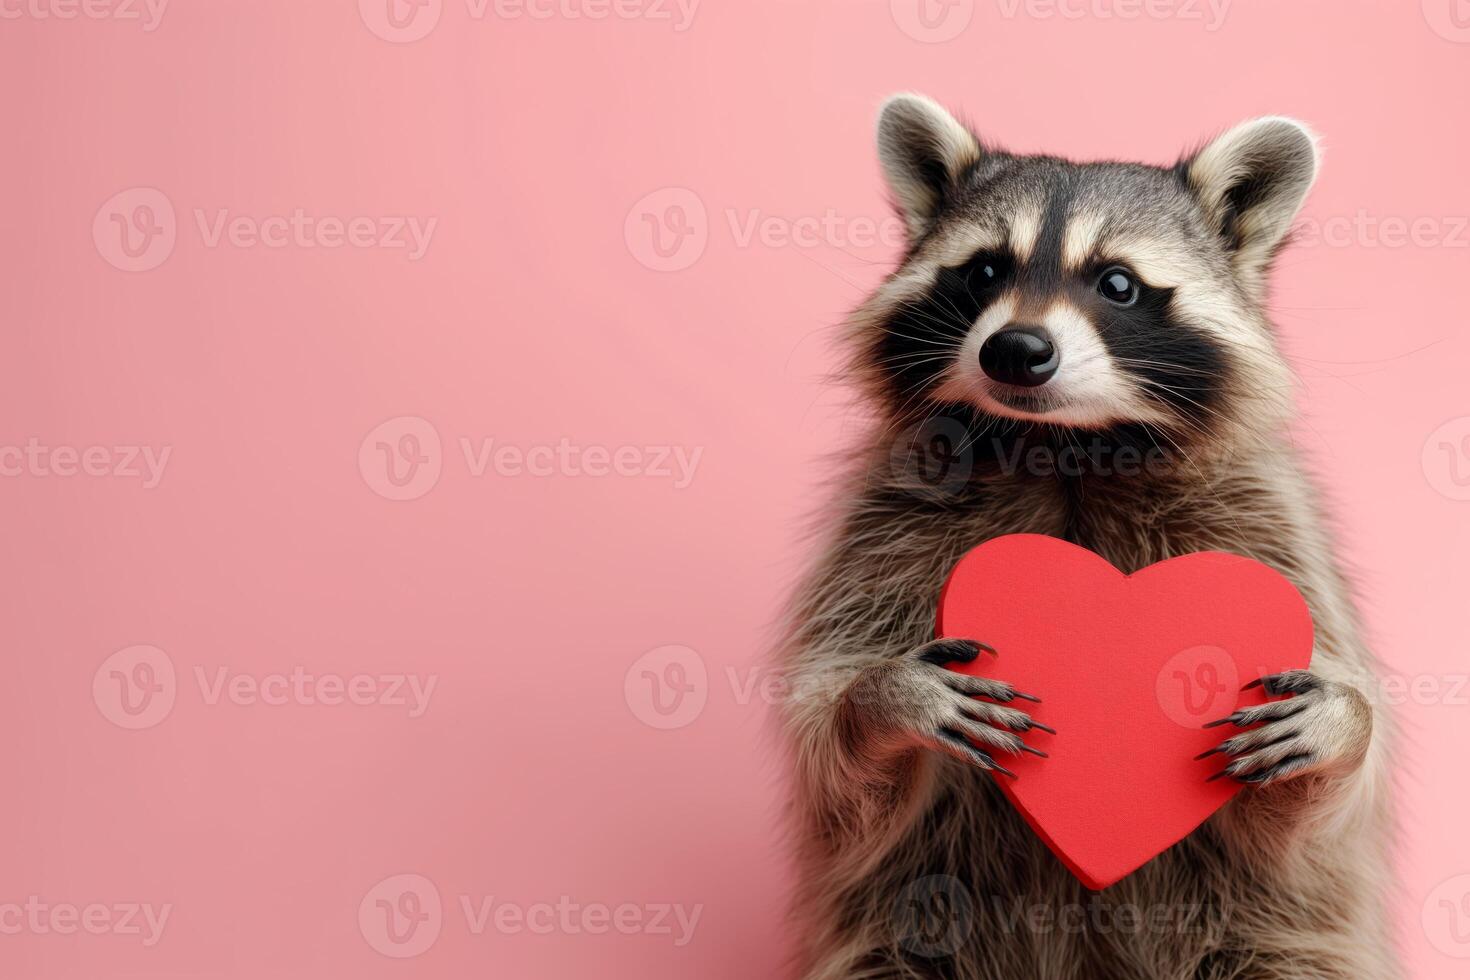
point(1023, 356)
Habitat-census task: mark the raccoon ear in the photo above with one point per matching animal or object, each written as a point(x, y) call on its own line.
point(924, 151)
point(1251, 181)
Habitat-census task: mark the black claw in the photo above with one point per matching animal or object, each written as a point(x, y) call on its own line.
point(984, 758)
point(1288, 682)
point(987, 648)
point(1222, 772)
point(1027, 697)
point(1045, 728)
point(1223, 721)
point(1207, 753)
point(942, 652)
point(1027, 748)
point(998, 767)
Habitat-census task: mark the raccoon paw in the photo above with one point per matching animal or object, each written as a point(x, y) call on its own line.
point(915, 701)
point(1324, 726)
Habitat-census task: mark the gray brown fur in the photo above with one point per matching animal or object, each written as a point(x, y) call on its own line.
point(1291, 878)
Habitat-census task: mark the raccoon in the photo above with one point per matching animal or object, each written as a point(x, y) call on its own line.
point(1079, 313)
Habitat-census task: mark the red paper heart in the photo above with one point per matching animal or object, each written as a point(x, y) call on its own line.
point(1129, 668)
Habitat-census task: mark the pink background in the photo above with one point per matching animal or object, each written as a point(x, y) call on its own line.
point(541, 311)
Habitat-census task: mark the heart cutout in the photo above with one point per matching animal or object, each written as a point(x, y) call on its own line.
point(1129, 668)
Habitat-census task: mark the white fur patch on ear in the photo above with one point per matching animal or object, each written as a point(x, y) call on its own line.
point(1251, 182)
point(923, 150)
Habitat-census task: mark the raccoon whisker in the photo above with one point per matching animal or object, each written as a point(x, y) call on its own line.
point(922, 340)
point(860, 287)
point(960, 316)
point(957, 325)
point(1179, 393)
point(944, 351)
point(1176, 390)
point(1141, 362)
point(1381, 360)
point(1254, 348)
point(913, 364)
point(903, 418)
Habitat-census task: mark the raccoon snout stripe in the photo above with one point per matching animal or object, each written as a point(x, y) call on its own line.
point(1020, 355)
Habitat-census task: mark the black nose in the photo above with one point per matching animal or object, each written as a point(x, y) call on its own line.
point(1022, 356)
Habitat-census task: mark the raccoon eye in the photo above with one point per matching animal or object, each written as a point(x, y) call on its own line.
point(1117, 286)
point(984, 272)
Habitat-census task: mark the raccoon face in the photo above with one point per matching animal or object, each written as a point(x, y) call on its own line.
point(1083, 295)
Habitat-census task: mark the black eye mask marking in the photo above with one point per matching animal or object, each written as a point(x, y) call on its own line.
point(921, 335)
point(1176, 363)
